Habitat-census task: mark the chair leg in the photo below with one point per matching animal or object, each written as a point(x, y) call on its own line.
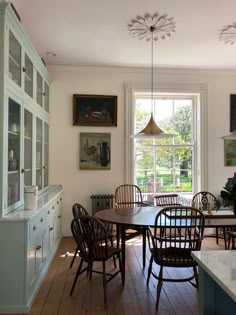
point(144, 247)
point(149, 270)
point(224, 236)
point(75, 254)
point(114, 258)
point(104, 284)
point(76, 276)
point(90, 270)
point(121, 270)
point(217, 236)
point(160, 281)
point(195, 275)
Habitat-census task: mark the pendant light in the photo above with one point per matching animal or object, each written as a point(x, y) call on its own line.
point(151, 28)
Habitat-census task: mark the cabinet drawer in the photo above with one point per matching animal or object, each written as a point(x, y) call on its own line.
point(36, 225)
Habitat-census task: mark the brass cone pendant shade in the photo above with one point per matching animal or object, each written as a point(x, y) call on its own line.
point(152, 130)
point(151, 28)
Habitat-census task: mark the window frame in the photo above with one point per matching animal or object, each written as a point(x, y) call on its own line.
point(200, 154)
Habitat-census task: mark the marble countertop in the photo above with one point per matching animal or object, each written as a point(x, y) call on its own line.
point(20, 214)
point(221, 266)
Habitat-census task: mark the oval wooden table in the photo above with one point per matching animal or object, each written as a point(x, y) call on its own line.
point(145, 217)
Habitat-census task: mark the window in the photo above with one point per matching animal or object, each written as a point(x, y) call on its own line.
point(164, 165)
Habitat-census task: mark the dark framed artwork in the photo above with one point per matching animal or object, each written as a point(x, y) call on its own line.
point(230, 152)
point(232, 112)
point(94, 110)
point(95, 151)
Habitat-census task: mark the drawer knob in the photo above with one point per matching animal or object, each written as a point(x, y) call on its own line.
point(48, 212)
point(51, 228)
point(60, 199)
point(34, 227)
point(41, 220)
point(38, 247)
point(53, 207)
point(57, 202)
point(59, 216)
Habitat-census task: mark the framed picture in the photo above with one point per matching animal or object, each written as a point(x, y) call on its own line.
point(232, 112)
point(94, 110)
point(95, 151)
point(230, 152)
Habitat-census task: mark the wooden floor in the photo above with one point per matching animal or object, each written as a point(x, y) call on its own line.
point(134, 299)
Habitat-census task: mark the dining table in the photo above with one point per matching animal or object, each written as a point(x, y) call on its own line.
point(145, 217)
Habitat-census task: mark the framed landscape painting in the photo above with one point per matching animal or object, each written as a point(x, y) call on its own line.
point(230, 152)
point(95, 151)
point(94, 110)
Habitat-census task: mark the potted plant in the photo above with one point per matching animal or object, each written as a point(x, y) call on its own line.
point(228, 194)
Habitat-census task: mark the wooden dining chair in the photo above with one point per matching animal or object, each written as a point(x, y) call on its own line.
point(231, 236)
point(206, 201)
point(178, 231)
point(129, 196)
point(165, 200)
point(78, 210)
point(93, 248)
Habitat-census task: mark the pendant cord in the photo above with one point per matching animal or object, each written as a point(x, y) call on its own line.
point(152, 100)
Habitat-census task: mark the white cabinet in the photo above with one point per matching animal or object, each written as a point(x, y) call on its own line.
point(36, 248)
point(29, 240)
point(24, 113)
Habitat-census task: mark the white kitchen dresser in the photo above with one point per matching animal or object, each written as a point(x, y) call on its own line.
point(28, 242)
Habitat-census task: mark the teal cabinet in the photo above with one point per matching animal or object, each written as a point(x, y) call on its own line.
point(24, 113)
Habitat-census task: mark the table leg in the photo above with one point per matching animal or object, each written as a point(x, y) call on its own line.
point(123, 249)
point(144, 246)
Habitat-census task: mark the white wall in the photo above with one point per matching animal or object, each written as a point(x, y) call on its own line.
point(64, 137)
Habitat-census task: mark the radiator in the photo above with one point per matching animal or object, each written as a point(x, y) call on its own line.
point(101, 202)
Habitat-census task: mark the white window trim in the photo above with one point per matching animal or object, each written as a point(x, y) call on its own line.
point(200, 131)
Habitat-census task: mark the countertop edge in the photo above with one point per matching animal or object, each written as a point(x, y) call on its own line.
point(45, 198)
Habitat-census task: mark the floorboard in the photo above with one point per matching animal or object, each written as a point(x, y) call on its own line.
point(134, 299)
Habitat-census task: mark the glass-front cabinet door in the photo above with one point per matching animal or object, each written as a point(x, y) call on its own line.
point(39, 152)
point(14, 151)
point(28, 147)
point(14, 59)
point(28, 71)
point(46, 155)
point(46, 97)
point(39, 95)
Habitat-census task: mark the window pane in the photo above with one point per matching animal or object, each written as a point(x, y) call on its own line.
point(165, 164)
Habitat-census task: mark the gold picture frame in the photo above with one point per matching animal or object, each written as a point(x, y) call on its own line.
point(95, 151)
point(94, 110)
point(230, 152)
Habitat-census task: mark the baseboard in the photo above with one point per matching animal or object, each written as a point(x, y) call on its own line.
point(66, 230)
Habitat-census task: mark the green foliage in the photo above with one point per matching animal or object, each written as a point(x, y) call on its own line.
point(228, 195)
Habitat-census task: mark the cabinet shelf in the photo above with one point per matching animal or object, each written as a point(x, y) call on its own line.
point(27, 138)
point(28, 78)
point(13, 133)
point(13, 172)
point(14, 62)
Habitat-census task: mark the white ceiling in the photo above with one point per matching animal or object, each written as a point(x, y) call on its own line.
point(95, 32)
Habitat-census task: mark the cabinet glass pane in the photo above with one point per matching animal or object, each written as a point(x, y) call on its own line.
point(28, 145)
point(39, 138)
point(46, 153)
point(28, 70)
point(14, 114)
point(14, 59)
point(46, 97)
point(39, 89)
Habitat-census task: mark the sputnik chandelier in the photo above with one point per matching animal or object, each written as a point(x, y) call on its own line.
point(151, 28)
